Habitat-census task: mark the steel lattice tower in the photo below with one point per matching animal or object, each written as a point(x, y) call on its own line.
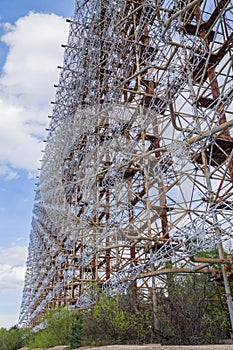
point(137, 170)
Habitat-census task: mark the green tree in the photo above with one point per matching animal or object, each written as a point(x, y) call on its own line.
point(191, 312)
point(61, 327)
point(57, 326)
point(75, 331)
point(12, 339)
point(120, 320)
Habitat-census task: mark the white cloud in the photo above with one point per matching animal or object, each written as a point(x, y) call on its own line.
point(26, 87)
point(18, 146)
point(12, 272)
point(12, 267)
point(11, 277)
point(35, 50)
point(8, 173)
point(15, 254)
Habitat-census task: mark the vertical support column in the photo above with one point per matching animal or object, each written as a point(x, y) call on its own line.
point(227, 286)
point(131, 219)
point(216, 93)
point(107, 216)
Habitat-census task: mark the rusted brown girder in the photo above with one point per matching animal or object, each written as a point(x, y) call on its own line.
point(211, 68)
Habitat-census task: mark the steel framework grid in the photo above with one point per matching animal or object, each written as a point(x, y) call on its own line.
point(137, 170)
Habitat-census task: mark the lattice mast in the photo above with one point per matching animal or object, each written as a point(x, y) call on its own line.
point(137, 170)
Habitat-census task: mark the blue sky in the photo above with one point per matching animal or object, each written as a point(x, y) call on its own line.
point(31, 34)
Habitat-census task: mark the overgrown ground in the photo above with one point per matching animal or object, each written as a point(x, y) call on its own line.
point(159, 347)
point(149, 347)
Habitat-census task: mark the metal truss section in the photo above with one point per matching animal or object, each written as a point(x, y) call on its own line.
point(137, 171)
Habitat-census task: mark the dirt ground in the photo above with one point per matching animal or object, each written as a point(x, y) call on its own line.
point(147, 347)
point(160, 347)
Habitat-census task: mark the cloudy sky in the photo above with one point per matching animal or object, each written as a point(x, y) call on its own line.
point(31, 34)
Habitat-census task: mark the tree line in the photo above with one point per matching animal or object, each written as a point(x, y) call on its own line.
point(189, 311)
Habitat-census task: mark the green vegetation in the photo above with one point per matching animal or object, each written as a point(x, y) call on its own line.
point(121, 320)
point(189, 311)
point(12, 339)
point(62, 327)
point(75, 332)
point(192, 312)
